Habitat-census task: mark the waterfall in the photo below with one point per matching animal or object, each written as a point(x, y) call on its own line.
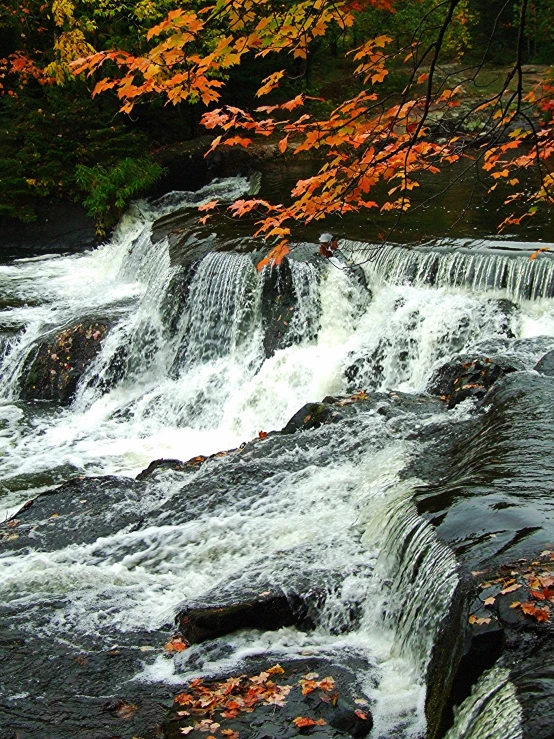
point(184, 371)
point(486, 266)
point(492, 710)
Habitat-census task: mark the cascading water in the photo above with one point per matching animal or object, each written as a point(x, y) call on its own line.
point(477, 265)
point(183, 372)
point(492, 710)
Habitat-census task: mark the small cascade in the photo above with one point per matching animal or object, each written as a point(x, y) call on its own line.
point(418, 572)
point(492, 711)
point(487, 266)
point(223, 307)
point(306, 319)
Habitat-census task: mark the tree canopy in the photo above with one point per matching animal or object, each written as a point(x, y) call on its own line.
point(415, 95)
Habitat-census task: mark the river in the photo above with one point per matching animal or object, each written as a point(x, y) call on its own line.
point(329, 509)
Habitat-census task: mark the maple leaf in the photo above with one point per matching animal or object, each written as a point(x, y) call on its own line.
point(303, 722)
point(283, 144)
point(262, 677)
point(537, 613)
point(238, 141)
point(275, 670)
point(175, 645)
point(270, 83)
point(510, 589)
point(208, 206)
point(478, 621)
point(275, 256)
point(262, 435)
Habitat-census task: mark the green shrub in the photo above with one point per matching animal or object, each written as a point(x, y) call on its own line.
point(111, 188)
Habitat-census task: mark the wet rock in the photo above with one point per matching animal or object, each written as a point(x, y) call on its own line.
point(469, 377)
point(506, 308)
point(278, 307)
point(489, 478)
point(545, 365)
point(160, 465)
point(390, 405)
point(109, 704)
point(54, 370)
point(297, 697)
point(490, 501)
point(176, 297)
point(78, 512)
point(499, 631)
point(313, 415)
point(269, 610)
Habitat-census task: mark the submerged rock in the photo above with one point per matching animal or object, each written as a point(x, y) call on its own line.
point(54, 370)
point(469, 377)
point(78, 512)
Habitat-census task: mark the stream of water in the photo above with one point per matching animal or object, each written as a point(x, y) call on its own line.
point(177, 383)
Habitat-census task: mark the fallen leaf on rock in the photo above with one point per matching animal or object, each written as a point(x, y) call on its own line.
point(276, 669)
point(186, 729)
point(361, 701)
point(538, 613)
point(126, 710)
point(361, 714)
point(479, 621)
point(515, 604)
point(489, 601)
point(303, 721)
point(12, 523)
point(207, 725)
point(175, 645)
point(260, 679)
point(510, 589)
point(537, 594)
point(230, 733)
point(262, 435)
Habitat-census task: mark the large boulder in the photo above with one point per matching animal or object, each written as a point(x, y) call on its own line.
point(53, 371)
point(488, 494)
point(469, 377)
point(294, 698)
point(267, 610)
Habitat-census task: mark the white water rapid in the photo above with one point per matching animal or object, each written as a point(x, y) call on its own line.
point(183, 372)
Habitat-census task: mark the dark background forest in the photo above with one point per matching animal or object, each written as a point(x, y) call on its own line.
point(57, 142)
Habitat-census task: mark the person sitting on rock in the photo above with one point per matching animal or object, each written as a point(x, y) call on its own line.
point(328, 245)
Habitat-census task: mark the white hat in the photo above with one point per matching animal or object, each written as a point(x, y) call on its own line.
point(325, 238)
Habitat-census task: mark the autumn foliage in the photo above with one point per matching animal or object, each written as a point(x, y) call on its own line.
point(376, 139)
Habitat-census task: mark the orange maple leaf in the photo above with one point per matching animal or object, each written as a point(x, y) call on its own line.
point(304, 721)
